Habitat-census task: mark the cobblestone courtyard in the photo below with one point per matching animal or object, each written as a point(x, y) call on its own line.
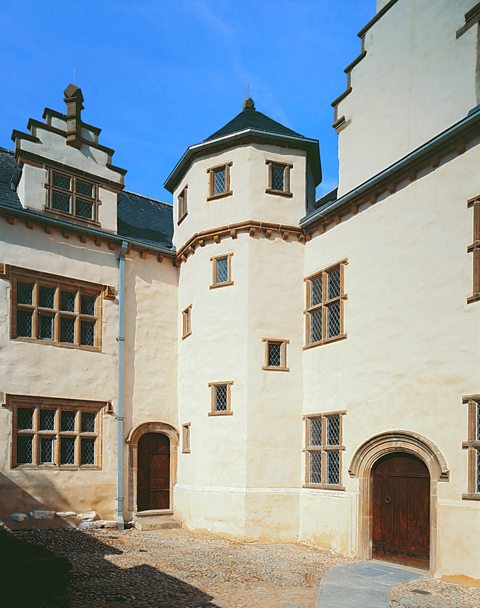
point(181, 569)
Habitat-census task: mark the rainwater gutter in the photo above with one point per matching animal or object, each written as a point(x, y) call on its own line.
point(439, 142)
point(121, 374)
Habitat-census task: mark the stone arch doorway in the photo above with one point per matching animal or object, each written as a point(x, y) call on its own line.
point(362, 467)
point(401, 510)
point(152, 467)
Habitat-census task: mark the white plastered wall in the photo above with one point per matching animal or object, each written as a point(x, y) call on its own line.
point(416, 80)
point(411, 351)
point(248, 181)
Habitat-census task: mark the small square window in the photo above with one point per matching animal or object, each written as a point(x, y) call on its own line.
point(222, 270)
point(275, 354)
point(221, 398)
point(278, 178)
point(71, 195)
point(219, 181)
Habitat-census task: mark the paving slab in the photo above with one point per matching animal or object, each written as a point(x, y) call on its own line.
point(362, 585)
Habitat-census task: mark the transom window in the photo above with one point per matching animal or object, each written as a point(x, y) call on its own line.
point(55, 433)
point(219, 181)
point(278, 178)
point(51, 311)
point(323, 448)
point(275, 354)
point(187, 322)
point(72, 195)
point(221, 270)
point(220, 398)
point(473, 446)
point(182, 204)
point(186, 437)
point(325, 303)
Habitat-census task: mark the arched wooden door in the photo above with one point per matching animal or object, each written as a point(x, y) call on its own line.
point(153, 472)
point(401, 510)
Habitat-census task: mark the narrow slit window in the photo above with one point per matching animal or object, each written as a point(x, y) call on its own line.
point(186, 438)
point(187, 322)
point(182, 204)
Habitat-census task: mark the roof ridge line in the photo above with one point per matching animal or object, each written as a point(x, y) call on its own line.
point(149, 198)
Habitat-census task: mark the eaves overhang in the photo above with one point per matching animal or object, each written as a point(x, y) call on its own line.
point(109, 237)
point(311, 147)
point(455, 136)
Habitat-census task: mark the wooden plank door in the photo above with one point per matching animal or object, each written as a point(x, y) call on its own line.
point(153, 472)
point(401, 510)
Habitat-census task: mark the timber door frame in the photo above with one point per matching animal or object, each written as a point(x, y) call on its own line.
point(132, 440)
point(361, 467)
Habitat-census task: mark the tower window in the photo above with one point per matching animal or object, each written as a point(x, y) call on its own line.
point(187, 322)
point(275, 355)
point(221, 270)
point(219, 181)
point(221, 403)
point(182, 205)
point(278, 180)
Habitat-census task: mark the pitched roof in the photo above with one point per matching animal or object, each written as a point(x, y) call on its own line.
point(249, 118)
point(142, 219)
point(248, 126)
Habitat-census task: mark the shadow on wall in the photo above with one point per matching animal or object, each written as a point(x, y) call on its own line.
point(16, 500)
point(98, 582)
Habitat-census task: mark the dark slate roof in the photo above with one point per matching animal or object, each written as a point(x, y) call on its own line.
point(145, 219)
point(8, 166)
point(328, 197)
point(249, 118)
point(142, 219)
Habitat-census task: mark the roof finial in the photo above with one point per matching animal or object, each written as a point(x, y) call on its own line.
point(248, 104)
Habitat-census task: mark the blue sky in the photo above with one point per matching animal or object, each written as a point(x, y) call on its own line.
point(158, 76)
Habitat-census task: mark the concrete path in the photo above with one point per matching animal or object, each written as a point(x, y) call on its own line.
point(362, 585)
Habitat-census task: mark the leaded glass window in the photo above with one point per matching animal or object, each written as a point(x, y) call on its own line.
point(70, 195)
point(275, 354)
point(219, 181)
point(473, 447)
point(323, 450)
point(49, 311)
point(278, 177)
point(182, 204)
point(55, 435)
point(221, 270)
point(325, 302)
point(221, 400)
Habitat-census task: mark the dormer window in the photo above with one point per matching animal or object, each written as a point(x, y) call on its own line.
point(278, 178)
point(219, 181)
point(72, 195)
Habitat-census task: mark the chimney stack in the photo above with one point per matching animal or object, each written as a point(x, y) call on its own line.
point(74, 100)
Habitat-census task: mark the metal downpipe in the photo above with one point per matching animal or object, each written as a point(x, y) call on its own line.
point(121, 361)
